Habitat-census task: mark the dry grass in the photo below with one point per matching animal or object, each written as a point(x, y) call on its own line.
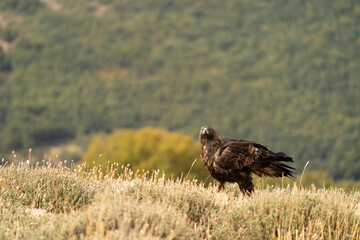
point(45, 202)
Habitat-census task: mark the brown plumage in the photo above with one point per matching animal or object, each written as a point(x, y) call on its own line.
point(231, 160)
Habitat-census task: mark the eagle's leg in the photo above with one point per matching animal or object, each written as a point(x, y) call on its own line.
point(246, 187)
point(220, 186)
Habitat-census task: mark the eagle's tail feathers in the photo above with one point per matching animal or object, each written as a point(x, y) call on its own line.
point(282, 169)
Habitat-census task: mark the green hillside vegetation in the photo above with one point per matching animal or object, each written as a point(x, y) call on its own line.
point(282, 73)
point(43, 202)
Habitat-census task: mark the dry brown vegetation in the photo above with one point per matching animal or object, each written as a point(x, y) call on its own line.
point(56, 202)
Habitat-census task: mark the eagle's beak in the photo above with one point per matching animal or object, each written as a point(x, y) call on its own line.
point(205, 131)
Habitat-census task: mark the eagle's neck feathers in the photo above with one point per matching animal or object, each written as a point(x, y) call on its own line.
point(209, 147)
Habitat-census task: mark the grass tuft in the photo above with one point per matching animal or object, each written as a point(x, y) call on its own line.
point(52, 189)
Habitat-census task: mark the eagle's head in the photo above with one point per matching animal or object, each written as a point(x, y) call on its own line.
point(206, 134)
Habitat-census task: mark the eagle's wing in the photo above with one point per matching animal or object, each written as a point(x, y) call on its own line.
point(238, 154)
point(235, 155)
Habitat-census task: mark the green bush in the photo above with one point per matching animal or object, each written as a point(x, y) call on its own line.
point(24, 6)
point(4, 62)
point(148, 149)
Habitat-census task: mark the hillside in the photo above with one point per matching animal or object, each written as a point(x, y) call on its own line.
point(56, 203)
point(283, 73)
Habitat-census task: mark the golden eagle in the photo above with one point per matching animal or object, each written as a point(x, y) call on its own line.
point(231, 160)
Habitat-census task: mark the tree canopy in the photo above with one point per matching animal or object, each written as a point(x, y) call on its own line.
point(149, 149)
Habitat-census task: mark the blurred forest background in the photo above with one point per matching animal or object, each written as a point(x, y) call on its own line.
point(283, 73)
